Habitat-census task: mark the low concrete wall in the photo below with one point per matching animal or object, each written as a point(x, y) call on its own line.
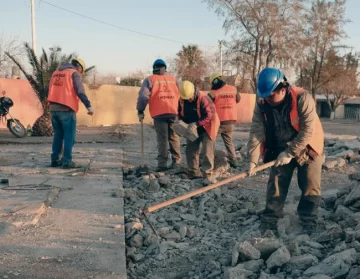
point(27, 107)
point(113, 104)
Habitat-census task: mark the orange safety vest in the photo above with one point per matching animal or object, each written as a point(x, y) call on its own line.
point(61, 89)
point(225, 102)
point(317, 141)
point(164, 98)
point(211, 128)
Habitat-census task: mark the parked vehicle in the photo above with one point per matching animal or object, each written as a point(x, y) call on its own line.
point(14, 125)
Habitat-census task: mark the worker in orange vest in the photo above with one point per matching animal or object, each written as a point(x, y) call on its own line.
point(225, 98)
point(197, 110)
point(161, 92)
point(65, 91)
point(286, 128)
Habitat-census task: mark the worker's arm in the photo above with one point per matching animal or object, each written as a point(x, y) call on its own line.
point(179, 117)
point(211, 96)
point(307, 118)
point(257, 134)
point(207, 109)
point(80, 90)
point(238, 97)
point(144, 95)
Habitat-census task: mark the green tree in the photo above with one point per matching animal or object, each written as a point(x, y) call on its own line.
point(190, 64)
point(39, 78)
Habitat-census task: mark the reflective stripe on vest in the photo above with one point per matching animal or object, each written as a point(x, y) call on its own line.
point(294, 114)
point(164, 98)
point(211, 128)
point(61, 89)
point(225, 102)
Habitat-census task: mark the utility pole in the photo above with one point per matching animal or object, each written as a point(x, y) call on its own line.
point(221, 56)
point(33, 26)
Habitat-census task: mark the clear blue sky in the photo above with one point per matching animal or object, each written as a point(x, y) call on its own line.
point(119, 51)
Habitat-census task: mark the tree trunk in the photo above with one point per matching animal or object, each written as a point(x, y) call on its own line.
point(332, 115)
point(42, 126)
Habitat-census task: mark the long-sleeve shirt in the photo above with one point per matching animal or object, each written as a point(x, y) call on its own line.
point(307, 117)
point(207, 111)
point(79, 89)
point(144, 97)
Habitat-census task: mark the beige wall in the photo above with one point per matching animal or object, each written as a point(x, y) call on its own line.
point(113, 104)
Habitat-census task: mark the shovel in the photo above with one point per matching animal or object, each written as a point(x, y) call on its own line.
point(142, 169)
point(200, 191)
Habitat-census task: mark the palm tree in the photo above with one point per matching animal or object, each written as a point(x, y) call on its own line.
point(190, 63)
point(42, 70)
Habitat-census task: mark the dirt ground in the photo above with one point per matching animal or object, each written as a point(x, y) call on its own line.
point(88, 248)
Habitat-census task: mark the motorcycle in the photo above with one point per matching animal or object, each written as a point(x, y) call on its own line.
point(14, 125)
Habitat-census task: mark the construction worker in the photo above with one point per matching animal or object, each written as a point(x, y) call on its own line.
point(161, 91)
point(197, 110)
point(286, 128)
point(225, 98)
point(65, 90)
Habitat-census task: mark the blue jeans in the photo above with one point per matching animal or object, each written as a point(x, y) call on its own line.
point(64, 125)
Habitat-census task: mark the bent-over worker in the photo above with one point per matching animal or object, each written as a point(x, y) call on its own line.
point(286, 128)
point(197, 110)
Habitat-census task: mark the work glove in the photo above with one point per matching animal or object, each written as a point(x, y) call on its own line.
point(192, 128)
point(284, 158)
point(90, 110)
point(141, 116)
point(251, 171)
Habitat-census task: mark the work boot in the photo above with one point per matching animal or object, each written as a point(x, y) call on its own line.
point(55, 164)
point(71, 165)
point(234, 163)
point(161, 169)
point(175, 167)
point(210, 179)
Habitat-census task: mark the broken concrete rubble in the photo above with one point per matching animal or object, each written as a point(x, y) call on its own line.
point(206, 227)
point(277, 259)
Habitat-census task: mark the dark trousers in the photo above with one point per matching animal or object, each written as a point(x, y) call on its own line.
point(309, 182)
point(166, 136)
point(226, 132)
point(64, 126)
point(193, 153)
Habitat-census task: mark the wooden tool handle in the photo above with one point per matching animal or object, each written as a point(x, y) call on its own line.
point(142, 143)
point(207, 188)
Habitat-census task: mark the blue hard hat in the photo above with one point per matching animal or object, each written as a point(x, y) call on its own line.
point(267, 81)
point(159, 62)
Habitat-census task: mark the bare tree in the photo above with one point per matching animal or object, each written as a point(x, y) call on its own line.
point(9, 44)
point(264, 32)
point(342, 78)
point(324, 28)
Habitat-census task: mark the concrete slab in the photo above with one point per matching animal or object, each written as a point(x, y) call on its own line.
point(20, 207)
point(81, 235)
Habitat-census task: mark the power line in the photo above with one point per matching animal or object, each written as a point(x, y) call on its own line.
point(119, 27)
